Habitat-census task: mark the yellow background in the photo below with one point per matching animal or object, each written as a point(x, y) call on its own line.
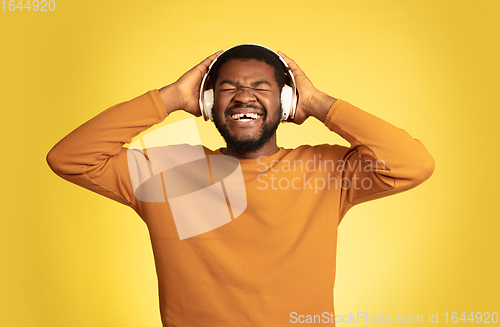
point(72, 258)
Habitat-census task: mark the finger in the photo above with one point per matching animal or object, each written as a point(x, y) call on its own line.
point(293, 66)
point(215, 55)
point(211, 58)
point(288, 60)
point(202, 67)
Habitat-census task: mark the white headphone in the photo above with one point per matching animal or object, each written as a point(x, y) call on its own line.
point(288, 93)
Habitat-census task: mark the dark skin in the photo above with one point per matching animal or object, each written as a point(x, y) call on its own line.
point(246, 82)
point(247, 87)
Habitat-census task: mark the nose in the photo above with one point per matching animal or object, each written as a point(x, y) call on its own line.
point(244, 95)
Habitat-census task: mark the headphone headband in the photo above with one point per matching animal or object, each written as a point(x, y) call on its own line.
point(288, 93)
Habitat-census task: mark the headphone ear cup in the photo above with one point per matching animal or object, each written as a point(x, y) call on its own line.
point(208, 98)
point(286, 101)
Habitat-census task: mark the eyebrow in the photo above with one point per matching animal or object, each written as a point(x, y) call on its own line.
point(257, 83)
point(254, 84)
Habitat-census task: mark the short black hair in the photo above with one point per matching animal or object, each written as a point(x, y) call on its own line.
point(247, 52)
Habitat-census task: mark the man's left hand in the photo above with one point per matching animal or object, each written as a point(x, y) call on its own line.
point(312, 102)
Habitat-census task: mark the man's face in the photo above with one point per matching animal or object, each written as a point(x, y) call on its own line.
point(247, 107)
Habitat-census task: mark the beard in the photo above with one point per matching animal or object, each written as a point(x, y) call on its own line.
point(248, 144)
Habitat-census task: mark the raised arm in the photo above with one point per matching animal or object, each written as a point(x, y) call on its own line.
point(389, 157)
point(93, 155)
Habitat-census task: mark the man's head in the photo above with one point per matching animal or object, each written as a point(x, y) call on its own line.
point(247, 82)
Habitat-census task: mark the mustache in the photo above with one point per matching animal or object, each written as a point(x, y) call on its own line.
point(242, 105)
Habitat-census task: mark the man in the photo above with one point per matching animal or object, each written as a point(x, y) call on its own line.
point(274, 262)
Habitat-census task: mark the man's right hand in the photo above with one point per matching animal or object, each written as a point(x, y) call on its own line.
point(185, 92)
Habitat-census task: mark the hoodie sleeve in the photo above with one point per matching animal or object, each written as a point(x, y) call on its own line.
point(382, 159)
point(93, 155)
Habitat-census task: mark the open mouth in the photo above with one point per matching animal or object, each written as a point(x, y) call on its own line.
point(245, 117)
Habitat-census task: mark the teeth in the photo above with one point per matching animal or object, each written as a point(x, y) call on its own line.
point(248, 116)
